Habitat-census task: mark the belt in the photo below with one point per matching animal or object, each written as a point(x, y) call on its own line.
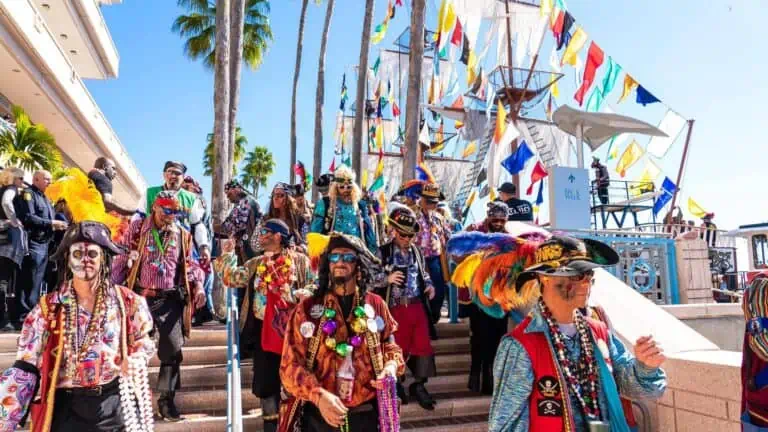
point(156, 293)
point(108, 388)
point(405, 301)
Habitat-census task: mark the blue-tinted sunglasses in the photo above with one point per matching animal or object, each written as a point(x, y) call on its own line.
point(266, 231)
point(347, 258)
point(170, 212)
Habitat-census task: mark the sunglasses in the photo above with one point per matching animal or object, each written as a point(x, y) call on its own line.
point(585, 277)
point(175, 173)
point(170, 212)
point(266, 231)
point(347, 258)
point(404, 235)
point(345, 186)
point(278, 195)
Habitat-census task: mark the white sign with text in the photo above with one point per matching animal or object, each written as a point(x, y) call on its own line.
point(569, 200)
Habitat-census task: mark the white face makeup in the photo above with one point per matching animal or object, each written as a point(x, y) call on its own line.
point(85, 260)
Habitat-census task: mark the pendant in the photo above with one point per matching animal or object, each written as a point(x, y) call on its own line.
point(307, 329)
point(369, 312)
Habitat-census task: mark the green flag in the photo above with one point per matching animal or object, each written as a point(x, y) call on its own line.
point(595, 99)
point(376, 65)
point(611, 76)
point(377, 184)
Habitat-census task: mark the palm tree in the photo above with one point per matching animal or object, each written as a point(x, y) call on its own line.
point(237, 16)
point(362, 77)
point(221, 106)
point(412, 108)
point(199, 29)
point(209, 155)
point(29, 147)
point(296, 71)
point(320, 98)
point(259, 165)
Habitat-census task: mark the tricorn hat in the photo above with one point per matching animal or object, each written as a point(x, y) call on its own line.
point(91, 232)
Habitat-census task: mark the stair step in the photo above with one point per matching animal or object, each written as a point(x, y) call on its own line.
point(463, 406)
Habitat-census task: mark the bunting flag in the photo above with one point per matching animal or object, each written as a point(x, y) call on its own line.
point(469, 150)
point(465, 48)
point(332, 168)
point(545, 8)
point(458, 103)
point(629, 85)
point(595, 57)
point(595, 100)
point(458, 34)
point(516, 161)
point(447, 20)
point(539, 201)
point(379, 32)
point(439, 138)
point(423, 173)
point(672, 124)
point(364, 179)
point(492, 194)
point(646, 180)
point(557, 26)
point(644, 97)
point(376, 65)
point(565, 34)
point(501, 123)
point(377, 184)
point(380, 164)
point(395, 110)
point(668, 188)
point(344, 95)
point(631, 154)
point(347, 161)
point(611, 76)
point(538, 173)
point(695, 209)
point(577, 42)
point(471, 67)
point(613, 146)
point(379, 140)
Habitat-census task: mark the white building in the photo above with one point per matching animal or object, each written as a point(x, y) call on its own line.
point(47, 48)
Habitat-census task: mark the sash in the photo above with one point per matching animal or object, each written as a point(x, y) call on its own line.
point(615, 410)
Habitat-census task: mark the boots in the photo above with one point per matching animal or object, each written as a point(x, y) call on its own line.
point(166, 407)
point(425, 400)
point(270, 425)
point(401, 394)
point(474, 382)
point(487, 387)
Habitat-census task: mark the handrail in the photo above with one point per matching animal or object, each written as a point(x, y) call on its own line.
point(234, 386)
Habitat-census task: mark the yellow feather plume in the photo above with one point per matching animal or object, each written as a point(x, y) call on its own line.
point(462, 274)
point(317, 244)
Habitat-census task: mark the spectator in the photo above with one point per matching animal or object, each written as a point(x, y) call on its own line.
point(101, 175)
point(13, 241)
point(519, 210)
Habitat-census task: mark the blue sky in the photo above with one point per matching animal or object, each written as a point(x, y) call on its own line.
point(704, 61)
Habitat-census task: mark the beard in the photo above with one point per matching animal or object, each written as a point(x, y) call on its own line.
point(341, 280)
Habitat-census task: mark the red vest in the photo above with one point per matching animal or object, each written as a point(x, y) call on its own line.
point(753, 402)
point(550, 404)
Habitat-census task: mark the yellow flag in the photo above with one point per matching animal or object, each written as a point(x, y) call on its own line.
point(449, 21)
point(379, 169)
point(545, 9)
point(554, 89)
point(471, 198)
point(645, 182)
point(614, 153)
point(469, 150)
point(695, 209)
point(631, 154)
point(441, 17)
point(501, 124)
point(364, 181)
point(379, 136)
point(492, 197)
point(471, 67)
point(578, 40)
point(629, 85)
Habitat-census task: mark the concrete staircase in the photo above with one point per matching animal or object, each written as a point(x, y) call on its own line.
point(203, 397)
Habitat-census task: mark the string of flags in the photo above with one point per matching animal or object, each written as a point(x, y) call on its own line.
point(381, 30)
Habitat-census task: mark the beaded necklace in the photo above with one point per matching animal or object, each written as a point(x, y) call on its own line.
point(359, 326)
point(275, 273)
point(586, 374)
point(92, 333)
point(168, 240)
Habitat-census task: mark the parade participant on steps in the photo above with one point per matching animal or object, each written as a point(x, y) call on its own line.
point(274, 282)
point(339, 354)
point(242, 220)
point(431, 239)
point(159, 266)
point(559, 370)
point(407, 289)
point(343, 211)
point(76, 346)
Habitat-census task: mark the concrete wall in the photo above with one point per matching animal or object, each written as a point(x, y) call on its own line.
point(721, 323)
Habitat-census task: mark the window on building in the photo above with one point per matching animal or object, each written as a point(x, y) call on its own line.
point(760, 250)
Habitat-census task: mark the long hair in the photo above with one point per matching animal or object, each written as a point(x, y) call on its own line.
point(65, 274)
point(364, 273)
point(8, 175)
point(290, 216)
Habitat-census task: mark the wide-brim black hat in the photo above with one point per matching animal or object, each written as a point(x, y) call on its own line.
point(568, 256)
point(341, 240)
point(404, 220)
point(91, 232)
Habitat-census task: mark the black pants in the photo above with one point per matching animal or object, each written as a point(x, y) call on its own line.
point(8, 277)
point(485, 334)
point(364, 418)
point(167, 315)
point(602, 193)
point(88, 413)
point(31, 280)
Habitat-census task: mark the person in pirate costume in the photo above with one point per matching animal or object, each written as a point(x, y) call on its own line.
point(159, 266)
point(82, 348)
point(339, 351)
point(407, 289)
point(559, 370)
point(323, 184)
point(754, 363)
point(344, 210)
point(304, 208)
point(242, 220)
point(274, 283)
point(431, 239)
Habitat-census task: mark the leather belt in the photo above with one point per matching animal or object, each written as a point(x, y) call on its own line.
point(108, 388)
point(156, 293)
point(405, 301)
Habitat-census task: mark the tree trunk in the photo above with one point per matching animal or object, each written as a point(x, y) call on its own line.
point(221, 170)
point(412, 107)
point(320, 100)
point(296, 72)
point(237, 16)
point(362, 79)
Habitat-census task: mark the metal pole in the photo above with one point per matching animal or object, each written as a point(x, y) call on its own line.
point(682, 162)
point(509, 46)
point(234, 387)
point(580, 145)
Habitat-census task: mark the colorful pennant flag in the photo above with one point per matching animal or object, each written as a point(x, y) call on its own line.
point(376, 65)
point(612, 72)
point(379, 32)
point(578, 40)
point(364, 179)
point(344, 95)
point(565, 34)
point(501, 123)
point(539, 201)
point(516, 161)
point(332, 168)
point(672, 124)
point(538, 173)
point(613, 146)
point(557, 26)
point(595, 100)
point(458, 34)
point(695, 209)
point(492, 195)
point(545, 8)
point(646, 180)
point(595, 57)
point(423, 173)
point(631, 154)
point(629, 85)
point(644, 97)
point(668, 188)
point(469, 150)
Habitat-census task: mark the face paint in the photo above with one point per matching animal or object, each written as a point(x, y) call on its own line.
point(85, 260)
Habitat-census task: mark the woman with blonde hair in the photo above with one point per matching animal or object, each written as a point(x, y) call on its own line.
point(13, 241)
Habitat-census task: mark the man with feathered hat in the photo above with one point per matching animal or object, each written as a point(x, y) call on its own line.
point(274, 283)
point(84, 348)
point(559, 370)
point(339, 351)
point(159, 266)
point(344, 210)
point(407, 288)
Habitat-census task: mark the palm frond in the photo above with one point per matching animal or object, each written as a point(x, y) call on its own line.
point(200, 6)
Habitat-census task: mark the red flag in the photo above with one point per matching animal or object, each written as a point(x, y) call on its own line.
point(332, 168)
point(557, 27)
point(538, 173)
point(395, 109)
point(398, 2)
point(595, 58)
point(457, 38)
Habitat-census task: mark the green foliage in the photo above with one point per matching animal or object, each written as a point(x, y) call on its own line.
point(259, 165)
point(199, 30)
point(31, 146)
point(209, 154)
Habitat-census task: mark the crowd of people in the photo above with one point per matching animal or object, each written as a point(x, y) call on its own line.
point(338, 299)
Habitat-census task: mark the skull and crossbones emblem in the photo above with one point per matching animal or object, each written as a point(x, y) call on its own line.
point(549, 387)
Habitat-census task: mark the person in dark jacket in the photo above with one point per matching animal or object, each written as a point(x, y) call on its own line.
point(519, 210)
point(407, 289)
point(602, 180)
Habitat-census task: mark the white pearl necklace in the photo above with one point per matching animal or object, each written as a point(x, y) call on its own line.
point(135, 396)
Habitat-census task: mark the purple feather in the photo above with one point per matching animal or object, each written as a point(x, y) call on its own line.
point(466, 243)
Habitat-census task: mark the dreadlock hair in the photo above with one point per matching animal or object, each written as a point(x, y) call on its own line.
point(364, 272)
point(65, 273)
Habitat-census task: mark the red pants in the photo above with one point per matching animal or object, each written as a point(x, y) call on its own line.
point(412, 333)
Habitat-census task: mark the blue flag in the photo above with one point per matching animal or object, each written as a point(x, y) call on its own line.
point(540, 197)
point(667, 189)
point(644, 97)
point(516, 161)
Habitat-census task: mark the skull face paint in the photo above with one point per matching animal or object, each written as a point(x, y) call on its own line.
point(85, 260)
